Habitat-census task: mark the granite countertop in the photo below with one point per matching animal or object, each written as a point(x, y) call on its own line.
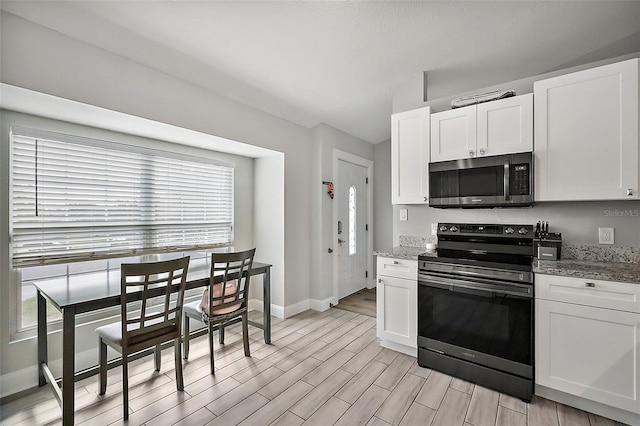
point(404, 252)
point(608, 271)
point(589, 269)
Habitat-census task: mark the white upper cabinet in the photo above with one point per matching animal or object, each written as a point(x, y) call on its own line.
point(410, 156)
point(498, 127)
point(453, 134)
point(586, 134)
point(505, 126)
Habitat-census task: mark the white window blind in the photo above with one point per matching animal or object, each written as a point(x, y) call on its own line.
point(77, 199)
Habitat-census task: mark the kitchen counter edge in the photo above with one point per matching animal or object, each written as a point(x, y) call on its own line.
point(410, 253)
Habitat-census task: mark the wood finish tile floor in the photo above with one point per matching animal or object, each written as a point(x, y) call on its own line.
point(322, 369)
point(362, 302)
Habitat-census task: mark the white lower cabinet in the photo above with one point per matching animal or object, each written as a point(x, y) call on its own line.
point(397, 304)
point(590, 352)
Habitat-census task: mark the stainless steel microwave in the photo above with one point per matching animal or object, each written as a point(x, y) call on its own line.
point(496, 181)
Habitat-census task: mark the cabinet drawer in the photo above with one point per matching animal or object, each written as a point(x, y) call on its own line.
point(597, 293)
point(399, 268)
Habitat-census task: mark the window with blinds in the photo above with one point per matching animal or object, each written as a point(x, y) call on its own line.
point(76, 199)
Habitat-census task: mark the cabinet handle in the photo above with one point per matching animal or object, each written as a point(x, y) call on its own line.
point(629, 192)
point(590, 284)
point(379, 280)
point(395, 262)
point(425, 199)
point(470, 153)
point(481, 151)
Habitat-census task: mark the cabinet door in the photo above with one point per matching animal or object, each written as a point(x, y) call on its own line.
point(410, 156)
point(586, 134)
point(453, 134)
point(505, 126)
point(397, 310)
point(589, 352)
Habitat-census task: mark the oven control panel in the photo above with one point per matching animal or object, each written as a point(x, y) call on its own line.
point(518, 231)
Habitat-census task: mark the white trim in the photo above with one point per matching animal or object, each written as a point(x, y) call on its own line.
point(296, 308)
point(345, 156)
point(321, 305)
point(255, 305)
point(277, 311)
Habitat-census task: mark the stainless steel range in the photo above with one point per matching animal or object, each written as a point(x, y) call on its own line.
point(475, 306)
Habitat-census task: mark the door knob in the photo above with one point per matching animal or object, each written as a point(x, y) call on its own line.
point(629, 191)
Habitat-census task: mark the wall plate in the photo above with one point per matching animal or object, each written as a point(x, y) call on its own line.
point(404, 214)
point(605, 235)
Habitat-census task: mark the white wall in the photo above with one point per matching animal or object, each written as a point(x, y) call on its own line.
point(383, 238)
point(325, 140)
point(578, 221)
point(36, 58)
point(78, 71)
point(292, 213)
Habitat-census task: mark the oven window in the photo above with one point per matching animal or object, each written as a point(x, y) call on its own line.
point(488, 322)
point(481, 181)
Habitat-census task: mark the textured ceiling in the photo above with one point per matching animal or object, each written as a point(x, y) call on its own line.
point(339, 62)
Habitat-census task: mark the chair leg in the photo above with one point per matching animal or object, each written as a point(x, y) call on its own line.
point(102, 355)
point(245, 333)
point(158, 357)
point(125, 387)
point(178, 361)
point(221, 333)
point(186, 336)
point(211, 348)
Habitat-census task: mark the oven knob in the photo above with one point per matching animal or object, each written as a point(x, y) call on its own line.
point(453, 228)
point(443, 228)
point(509, 230)
point(523, 231)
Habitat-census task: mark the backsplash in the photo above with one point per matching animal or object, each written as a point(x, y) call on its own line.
point(414, 241)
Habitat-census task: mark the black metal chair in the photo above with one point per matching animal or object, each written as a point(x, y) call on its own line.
point(150, 325)
point(223, 301)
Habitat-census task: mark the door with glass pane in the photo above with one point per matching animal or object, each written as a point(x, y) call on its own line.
point(351, 194)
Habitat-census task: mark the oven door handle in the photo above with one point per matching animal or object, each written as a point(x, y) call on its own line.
point(450, 284)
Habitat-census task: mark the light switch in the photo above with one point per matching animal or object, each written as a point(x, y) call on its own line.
point(404, 214)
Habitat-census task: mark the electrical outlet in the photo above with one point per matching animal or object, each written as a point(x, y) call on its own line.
point(605, 236)
point(404, 214)
point(434, 229)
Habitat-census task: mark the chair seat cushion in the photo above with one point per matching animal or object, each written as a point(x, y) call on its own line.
point(113, 332)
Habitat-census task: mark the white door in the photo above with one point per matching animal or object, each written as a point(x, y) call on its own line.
point(351, 193)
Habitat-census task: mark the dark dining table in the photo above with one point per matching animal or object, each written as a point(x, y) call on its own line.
point(72, 298)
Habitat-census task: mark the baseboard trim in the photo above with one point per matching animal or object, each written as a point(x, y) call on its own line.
point(321, 305)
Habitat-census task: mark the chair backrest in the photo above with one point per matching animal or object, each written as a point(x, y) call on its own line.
point(229, 278)
point(159, 317)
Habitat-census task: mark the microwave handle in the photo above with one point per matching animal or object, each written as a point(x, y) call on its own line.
point(507, 166)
